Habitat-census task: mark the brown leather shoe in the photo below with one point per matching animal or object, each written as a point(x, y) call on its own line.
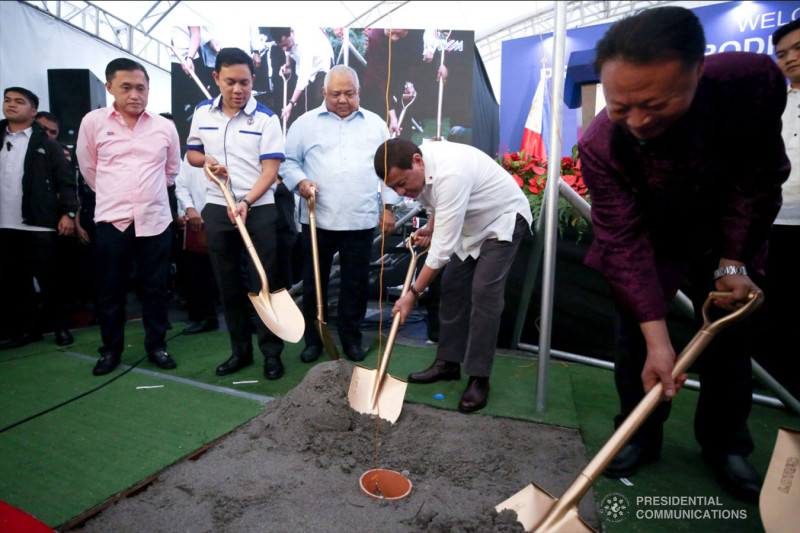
point(438, 371)
point(475, 396)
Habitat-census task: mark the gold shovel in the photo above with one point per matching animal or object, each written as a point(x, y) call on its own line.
point(374, 391)
point(537, 510)
point(277, 310)
point(322, 326)
point(780, 496)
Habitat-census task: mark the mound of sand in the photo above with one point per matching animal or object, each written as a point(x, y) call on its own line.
point(296, 467)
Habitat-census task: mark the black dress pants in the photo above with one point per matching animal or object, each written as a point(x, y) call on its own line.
point(236, 274)
point(355, 248)
point(29, 254)
point(115, 253)
point(725, 377)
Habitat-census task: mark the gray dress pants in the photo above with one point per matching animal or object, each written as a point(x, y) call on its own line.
point(472, 302)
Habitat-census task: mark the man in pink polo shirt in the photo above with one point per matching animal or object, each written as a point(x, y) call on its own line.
point(129, 156)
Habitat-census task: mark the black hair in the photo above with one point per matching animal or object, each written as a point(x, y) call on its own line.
point(784, 30)
point(395, 153)
point(654, 34)
point(49, 116)
point(233, 56)
point(167, 116)
point(32, 98)
point(278, 33)
point(123, 63)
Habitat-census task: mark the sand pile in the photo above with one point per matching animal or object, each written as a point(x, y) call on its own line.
point(296, 468)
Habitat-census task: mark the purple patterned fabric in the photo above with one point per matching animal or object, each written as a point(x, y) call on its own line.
point(710, 186)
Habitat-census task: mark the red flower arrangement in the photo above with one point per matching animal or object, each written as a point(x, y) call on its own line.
point(530, 173)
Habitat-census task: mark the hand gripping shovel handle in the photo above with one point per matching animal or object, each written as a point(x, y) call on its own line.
point(384, 362)
point(184, 61)
point(646, 406)
point(325, 335)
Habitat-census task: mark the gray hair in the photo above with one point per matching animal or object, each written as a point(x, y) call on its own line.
point(342, 69)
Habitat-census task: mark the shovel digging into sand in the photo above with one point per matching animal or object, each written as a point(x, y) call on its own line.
point(374, 391)
point(322, 326)
point(537, 510)
point(277, 310)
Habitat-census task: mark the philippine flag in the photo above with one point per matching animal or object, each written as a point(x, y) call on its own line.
point(533, 139)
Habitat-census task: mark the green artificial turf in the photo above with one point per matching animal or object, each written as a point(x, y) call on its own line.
point(65, 462)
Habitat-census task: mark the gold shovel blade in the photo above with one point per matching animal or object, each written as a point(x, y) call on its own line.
point(280, 314)
point(327, 340)
point(532, 504)
point(780, 496)
point(389, 402)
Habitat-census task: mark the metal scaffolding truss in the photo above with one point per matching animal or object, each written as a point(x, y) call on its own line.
point(132, 38)
point(579, 14)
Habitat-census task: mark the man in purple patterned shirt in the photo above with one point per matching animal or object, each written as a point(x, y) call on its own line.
point(685, 170)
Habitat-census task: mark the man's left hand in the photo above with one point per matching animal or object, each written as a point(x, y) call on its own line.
point(66, 226)
point(387, 221)
point(403, 306)
point(241, 211)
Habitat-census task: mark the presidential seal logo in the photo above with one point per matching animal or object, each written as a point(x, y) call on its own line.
point(615, 507)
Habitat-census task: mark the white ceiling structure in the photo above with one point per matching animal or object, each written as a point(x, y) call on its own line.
point(143, 27)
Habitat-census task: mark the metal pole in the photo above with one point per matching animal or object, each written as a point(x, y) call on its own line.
point(692, 384)
point(346, 45)
point(551, 200)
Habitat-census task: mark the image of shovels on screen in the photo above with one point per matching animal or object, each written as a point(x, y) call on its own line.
point(322, 325)
point(277, 310)
point(408, 97)
point(375, 391)
point(538, 510)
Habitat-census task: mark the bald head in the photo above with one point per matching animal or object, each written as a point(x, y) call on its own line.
point(341, 91)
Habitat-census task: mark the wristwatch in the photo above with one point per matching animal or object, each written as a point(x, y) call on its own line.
point(730, 269)
point(414, 291)
point(70, 215)
point(392, 208)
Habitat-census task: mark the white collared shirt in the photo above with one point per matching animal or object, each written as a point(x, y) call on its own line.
point(312, 54)
point(239, 143)
point(190, 187)
point(789, 215)
point(12, 167)
point(473, 199)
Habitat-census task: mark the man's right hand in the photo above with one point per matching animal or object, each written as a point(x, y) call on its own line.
point(660, 359)
point(422, 237)
point(193, 219)
point(307, 188)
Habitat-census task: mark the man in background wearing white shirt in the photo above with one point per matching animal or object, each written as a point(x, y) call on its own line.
point(480, 216)
point(781, 290)
point(312, 55)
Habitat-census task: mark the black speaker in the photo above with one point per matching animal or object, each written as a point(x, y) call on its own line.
point(73, 93)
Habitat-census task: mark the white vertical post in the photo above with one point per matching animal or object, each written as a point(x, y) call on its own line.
point(346, 45)
point(551, 201)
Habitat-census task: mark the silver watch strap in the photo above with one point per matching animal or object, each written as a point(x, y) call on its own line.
point(730, 269)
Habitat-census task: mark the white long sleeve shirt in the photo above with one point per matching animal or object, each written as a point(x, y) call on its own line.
point(473, 199)
point(789, 215)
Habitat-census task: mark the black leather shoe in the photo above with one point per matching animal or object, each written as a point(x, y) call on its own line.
point(354, 352)
point(310, 354)
point(63, 337)
point(273, 368)
point(106, 364)
point(22, 340)
point(628, 460)
point(162, 360)
point(234, 364)
point(475, 396)
point(201, 326)
point(438, 371)
point(736, 475)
